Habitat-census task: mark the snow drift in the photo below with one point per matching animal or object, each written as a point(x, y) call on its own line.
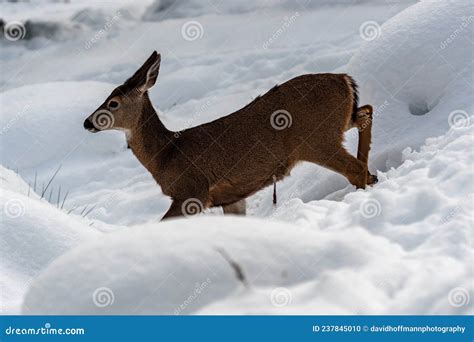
point(32, 234)
point(373, 253)
point(35, 131)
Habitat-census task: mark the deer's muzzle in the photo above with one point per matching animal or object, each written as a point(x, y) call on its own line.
point(90, 126)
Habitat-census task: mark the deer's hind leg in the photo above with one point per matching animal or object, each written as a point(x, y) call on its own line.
point(363, 122)
point(236, 208)
point(336, 158)
point(346, 164)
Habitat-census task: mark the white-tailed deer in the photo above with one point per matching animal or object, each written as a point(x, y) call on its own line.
point(222, 162)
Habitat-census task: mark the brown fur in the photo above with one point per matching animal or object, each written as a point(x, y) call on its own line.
point(222, 162)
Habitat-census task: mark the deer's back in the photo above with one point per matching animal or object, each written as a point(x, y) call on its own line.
point(238, 154)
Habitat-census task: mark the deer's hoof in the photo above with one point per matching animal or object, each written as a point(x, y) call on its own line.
point(372, 179)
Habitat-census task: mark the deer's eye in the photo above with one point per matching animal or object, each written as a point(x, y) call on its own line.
point(113, 105)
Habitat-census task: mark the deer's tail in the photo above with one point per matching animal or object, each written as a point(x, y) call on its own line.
point(354, 94)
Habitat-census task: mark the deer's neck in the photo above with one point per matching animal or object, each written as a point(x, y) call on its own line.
point(150, 140)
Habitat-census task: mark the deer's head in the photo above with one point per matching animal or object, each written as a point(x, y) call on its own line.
point(122, 107)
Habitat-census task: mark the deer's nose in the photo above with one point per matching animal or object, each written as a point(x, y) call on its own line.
point(89, 125)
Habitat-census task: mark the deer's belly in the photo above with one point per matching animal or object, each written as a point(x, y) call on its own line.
point(229, 190)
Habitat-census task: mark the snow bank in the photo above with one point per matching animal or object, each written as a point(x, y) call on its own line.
point(406, 61)
point(372, 253)
point(32, 234)
point(35, 131)
point(154, 269)
point(410, 70)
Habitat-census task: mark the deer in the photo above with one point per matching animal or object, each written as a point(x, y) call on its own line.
point(222, 162)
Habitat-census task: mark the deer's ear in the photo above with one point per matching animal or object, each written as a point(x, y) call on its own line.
point(151, 73)
point(145, 77)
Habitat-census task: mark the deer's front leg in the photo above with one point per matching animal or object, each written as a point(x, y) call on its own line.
point(189, 207)
point(236, 208)
point(174, 211)
point(192, 197)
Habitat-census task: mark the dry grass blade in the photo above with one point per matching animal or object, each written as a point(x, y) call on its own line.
point(64, 199)
point(50, 181)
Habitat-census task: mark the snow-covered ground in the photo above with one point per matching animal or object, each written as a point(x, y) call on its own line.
point(404, 246)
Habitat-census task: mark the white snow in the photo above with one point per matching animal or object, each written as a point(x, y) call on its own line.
point(32, 234)
point(36, 131)
point(401, 247)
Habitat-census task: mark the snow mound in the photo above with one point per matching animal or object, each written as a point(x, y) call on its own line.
point(413, 60)
point(417, 74)
point(32, 234)
point(35, 131)
point(154, 269)
point(372, 253)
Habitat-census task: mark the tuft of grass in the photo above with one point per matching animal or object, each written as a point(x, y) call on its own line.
point(90, 210)
point(72, 209)
point(59, 202)
point(59, 196)
point(50, 181)
point(34, 186)
point(64, 199)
